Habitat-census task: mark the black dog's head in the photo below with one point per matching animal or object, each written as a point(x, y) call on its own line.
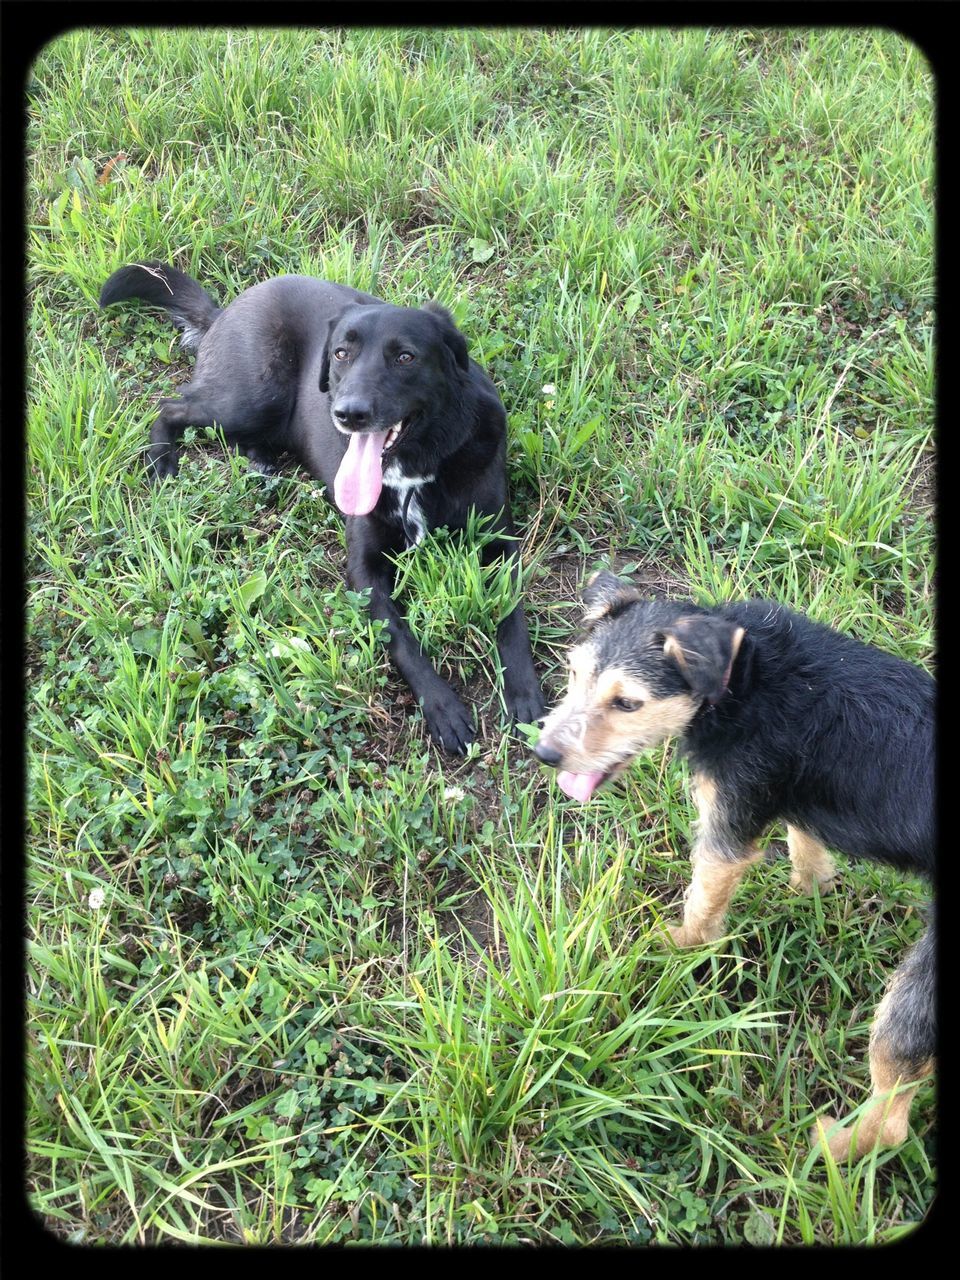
point(384, 366)
point(395, 377)
point(643, 672)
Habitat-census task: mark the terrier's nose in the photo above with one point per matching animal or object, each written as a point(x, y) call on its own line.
point(549, 755)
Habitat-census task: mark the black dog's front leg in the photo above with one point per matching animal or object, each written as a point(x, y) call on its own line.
point(521, 688)
point(447, 718)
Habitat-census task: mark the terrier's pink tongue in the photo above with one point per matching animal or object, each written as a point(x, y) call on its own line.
point(580, 786)
point(357, 485)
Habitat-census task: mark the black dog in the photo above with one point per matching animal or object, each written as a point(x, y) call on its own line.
point(781, 719)
point(380, 403)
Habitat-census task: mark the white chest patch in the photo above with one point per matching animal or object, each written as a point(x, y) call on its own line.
point(414, 521)
point(398, 480)
point(407, 491)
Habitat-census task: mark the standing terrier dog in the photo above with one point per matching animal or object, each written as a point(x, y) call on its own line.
point(782, 719)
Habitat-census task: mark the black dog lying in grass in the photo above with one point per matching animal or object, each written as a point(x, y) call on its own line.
point(782, 720)
point(380, 403)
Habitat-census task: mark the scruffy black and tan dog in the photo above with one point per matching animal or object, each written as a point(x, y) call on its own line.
point(782, 719)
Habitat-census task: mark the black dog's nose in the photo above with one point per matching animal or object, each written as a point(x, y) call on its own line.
point(549, 755)
point(352, 413)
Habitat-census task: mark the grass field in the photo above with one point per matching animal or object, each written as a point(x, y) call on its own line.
point(292, 976)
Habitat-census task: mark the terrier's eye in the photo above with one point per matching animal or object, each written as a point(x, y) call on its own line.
point(340, 353)
point(405, 357)
point(626, 704)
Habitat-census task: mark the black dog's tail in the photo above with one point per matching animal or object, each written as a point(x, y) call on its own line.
point(191, 307)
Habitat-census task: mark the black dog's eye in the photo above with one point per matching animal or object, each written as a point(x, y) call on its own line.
point(626, 704)
point(405, 357)
point(340, 353)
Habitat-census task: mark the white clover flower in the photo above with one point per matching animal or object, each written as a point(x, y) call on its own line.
point(96, 899)
point(285, 647)
point(549, 389)
point(453, 793)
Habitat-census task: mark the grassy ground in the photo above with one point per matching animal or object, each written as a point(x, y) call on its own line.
point(293, 976)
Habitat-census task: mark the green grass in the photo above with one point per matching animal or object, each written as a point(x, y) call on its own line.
point(292, 976)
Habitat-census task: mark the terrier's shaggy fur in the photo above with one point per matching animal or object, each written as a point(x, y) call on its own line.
point(782, 719)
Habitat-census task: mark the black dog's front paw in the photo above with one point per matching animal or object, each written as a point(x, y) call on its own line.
point(525, 705)
point(261, 460)
point(449, 723)
point(162, 462)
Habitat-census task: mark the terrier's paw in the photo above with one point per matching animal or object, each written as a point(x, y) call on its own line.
point(839, 1142)
point(682, 935)
point(804, 883)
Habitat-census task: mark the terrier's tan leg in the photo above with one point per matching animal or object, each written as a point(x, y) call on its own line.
point(887, 1119)
point(718, 864)
point(714, 881)
point(812, 865)
point(902, 1042)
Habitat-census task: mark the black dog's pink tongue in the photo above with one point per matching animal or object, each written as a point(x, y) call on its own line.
point(357, 485)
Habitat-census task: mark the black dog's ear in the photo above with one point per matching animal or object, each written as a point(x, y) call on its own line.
point(451, 334)
point(704, 648)
point(323, 382)
point(605, 595)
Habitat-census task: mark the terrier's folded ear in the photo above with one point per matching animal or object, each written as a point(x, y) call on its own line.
point(704, 649)
point(605, 595)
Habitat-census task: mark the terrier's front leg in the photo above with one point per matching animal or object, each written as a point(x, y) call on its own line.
point(716, 875)
point(719, 860)
point(812, 865)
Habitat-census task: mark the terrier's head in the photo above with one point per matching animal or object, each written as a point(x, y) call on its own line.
point(643, 671)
